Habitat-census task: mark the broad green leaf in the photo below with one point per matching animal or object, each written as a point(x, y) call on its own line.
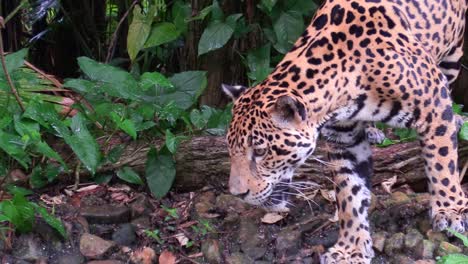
point(180, 13)
point(114, 81)
point(37, 179)
point(457, 108)
point(129, 175)
point(259, 63)
point(232, 20)
point(81, 86)
point(197, 119)
point(155, 81)
point(173, 141)
point(304, 7)
point(128, 127)
point(463, 134)
point(463, 238)
point(202, 14)
point(81, 142)
point(51, 220)
point(386, 142)
point(288, 27)
point(215, 36)
point(160, 173)
point(14, 147)
point(138, 32)
point(13, 189)
point(29, 128)
point(14, 61)
point(42, 112)
point(115, 153)
point(216, 11)
point(406, 134)
point(269, 4)
point(453, 259)
point(161, 33)
point(43, 148)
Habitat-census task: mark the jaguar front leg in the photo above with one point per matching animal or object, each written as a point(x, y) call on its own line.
point(449, 204)
point(352, 166)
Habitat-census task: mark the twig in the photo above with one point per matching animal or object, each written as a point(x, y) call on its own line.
point(111, 48)
point(77, 176)
point(7, 75)
point(47, 76)
point(463, 171)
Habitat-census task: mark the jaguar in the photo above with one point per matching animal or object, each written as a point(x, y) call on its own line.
point(358, 62)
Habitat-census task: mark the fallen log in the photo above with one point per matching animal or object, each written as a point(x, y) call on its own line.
point(204, 160)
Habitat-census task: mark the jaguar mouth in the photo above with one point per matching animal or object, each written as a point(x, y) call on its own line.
point(279, 198)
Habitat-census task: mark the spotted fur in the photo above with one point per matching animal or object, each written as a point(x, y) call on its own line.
point(359, 61)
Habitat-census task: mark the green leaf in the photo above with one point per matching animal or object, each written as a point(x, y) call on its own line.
point(269, 4)
point(128, 126)
point(463, 134)
point(180, 12)
point(216, 12)
point(81, 142)
point(51, 220)
point(14, 147)
point(115, 153)
point(187, 87)
point(202, 14)
point(13, 189)
point(43, 148)
point(386, 142)
point(259, 63)
point(129, 175)
point(288, 27)
point(457, 108)
point(161, 33)
point(215, 36)
point(160, 173)
point(14, 61)
point(114, 81)
point(453, 259)
point(173, 141)
point(138, 32)
point(463, 238)
point(197, 119)
point(156, 81)
point(81, 86)
point(232, 20)
point(37, 180)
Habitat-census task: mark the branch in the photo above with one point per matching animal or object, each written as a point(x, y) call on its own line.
point(7, 75)
point(110, 50)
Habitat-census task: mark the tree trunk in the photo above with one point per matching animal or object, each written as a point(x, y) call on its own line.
point(205, 160)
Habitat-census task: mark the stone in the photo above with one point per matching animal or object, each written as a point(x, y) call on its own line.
point(394, 244)
point(29, 248)
point(412, 239)
point(424, 225)
point(425, 250)
point(125, 235)
point(211, 251)
point(142, 222)
point(106, 214)
point(436, 236)
point(73, 257)
point(110, 261)
point(378, 240)
point(93, 246)
point(288, 242)
point(446, 248)
point(139, 206)
point(401, 259)
point(231, 203)
point(252, 243)
point(425, 261)
point(398, 198)
point(239, 258)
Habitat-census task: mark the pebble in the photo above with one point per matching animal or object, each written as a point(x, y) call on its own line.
point(110, 261)
point(29, 248)
point(446, 248)
point(106, 214)
point(378, 240)
point(425, 250)
point(238, 258)
point(124, 235)
point(398, 198)
point(412, 239)
point(252, 243)
point(142, 222)
point(73, 257)
point(401, 259)
point(93, 246)
point(394, 244)
point(211, 251)
point(436, 236)
point(288, 242)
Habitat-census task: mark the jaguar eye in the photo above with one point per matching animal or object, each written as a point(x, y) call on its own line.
point(259, 152)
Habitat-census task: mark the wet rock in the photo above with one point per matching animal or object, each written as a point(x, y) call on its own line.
point(143, 222)
point(110, 261)
point(93, 246)
point(106, 214)
point(125, 235)
point(394, 244)
point(378, 240)
point(425, 261)
point(413, 238)
point(211, 251)
point(425, 250)
point(231, 203)
point(446, 248)
point(252, 242)
point(239, 258)
point(29, 248)
point(74, 257)
point(288, 242)
point(424, 225)
point(397, 198)
point(401, 259)
point(436, 236)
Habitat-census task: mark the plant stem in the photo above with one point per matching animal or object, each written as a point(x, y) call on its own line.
point(5, 70)
point(110, 50)
point(12, 14)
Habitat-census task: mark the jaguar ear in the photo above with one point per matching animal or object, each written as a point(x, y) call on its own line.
point(233, 91)
point(288, 110)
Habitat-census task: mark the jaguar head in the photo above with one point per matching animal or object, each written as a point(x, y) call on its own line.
point(268, 138)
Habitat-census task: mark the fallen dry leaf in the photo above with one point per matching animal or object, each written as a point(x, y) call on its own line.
point(271, 218)
point(329, 195)
point(183, 240)
point(388, 184)
point(145, 255)
point(167, 257)
point(119, 188)
point(88, 188)
point(52, 200)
